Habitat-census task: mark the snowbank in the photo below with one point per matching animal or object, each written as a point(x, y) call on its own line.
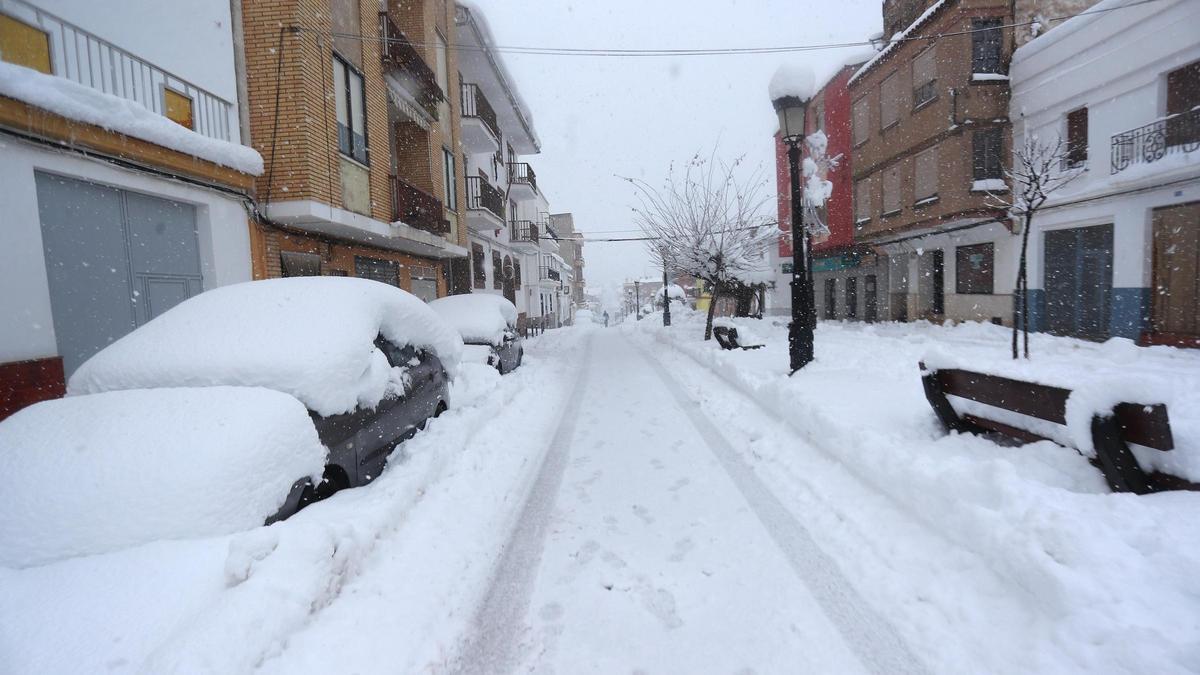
point(84, 104)
point(92, 474)
point(311, 337)
point(478, 317)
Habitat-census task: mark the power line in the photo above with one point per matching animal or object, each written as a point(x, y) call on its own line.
point(715, 51)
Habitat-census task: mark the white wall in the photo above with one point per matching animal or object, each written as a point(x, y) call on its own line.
point(26, 324)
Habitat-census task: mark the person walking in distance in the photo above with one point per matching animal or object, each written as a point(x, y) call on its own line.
point(606, 319)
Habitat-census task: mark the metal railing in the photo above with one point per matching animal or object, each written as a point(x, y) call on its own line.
point(475, 104)
point(1174, 134)
point(482, 196)
point(80, 56)
point(524, 231)
point(400, 52)
point(550, 274)
point(520, 173)
point(414, 207)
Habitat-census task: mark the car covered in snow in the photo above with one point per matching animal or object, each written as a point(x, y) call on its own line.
point(370, 362)
point(488, 326)
point(584, 317)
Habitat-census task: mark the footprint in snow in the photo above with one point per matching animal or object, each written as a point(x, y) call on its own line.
point(643, 513)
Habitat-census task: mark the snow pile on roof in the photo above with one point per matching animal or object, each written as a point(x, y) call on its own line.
point(793, 79)
point(899, 38)
point(92, 474)
point(84, 104)
point(478, 317)
point(311, 337)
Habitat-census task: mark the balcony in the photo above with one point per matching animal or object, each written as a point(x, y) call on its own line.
point(550, 274)
point(86, 59)
point(523, 180)
point(400, 54)
point(524, 236)
point(480, 126)
point(485, 205)
point(1176, 134)
point(416, 208)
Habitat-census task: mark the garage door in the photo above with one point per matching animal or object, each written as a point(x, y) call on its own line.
point(1079, 275)
point(114, 260)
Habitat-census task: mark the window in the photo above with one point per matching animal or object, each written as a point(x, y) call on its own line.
point(862, 201)
point(24, 45)
point(889, 102)
point(1183, 96)
point(497, 271)
point(926, 175)
point(1077, 138)
point(517, 274)
point(448, 178)
point(891, 190)
point(831, 299)
point(819, 115)
point(351, 117)
point(178, 108)
point(852, 298)
point(478, 271)
point(423, 282)
point(987, 44)
point(861, 121)
point(292, 264)
point(924, 75)
point(987, 147)
point(973, 266)
point(384, 271)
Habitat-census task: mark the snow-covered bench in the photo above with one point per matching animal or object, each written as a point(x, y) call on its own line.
point(1111, 434)
point(727, 337)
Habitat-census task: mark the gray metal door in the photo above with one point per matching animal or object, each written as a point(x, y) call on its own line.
point(114, 260)
point(1079, 281)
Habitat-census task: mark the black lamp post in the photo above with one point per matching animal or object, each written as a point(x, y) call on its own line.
point(804, 317)
point(637, 300)
point(666, 293)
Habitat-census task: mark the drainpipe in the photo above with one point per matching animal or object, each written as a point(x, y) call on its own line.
point(953, 107)
point(239, 69)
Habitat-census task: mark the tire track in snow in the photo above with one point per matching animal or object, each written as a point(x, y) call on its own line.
point(875, 641)
point(501, 615)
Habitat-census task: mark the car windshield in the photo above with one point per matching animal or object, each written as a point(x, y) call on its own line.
point(622, 336)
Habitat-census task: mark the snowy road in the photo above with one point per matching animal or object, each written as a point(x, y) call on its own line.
point(647, 544)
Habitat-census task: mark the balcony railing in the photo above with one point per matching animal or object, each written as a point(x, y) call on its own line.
point(82, 57)
point(401, 53)
point(482, 196)
point(520, 173)
point(413, 206)
point(475, 104)
point(524, 231)
point(550, 274)
point(1174, 134)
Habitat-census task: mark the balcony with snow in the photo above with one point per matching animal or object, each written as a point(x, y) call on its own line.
point(480, 125)
point(485, 205)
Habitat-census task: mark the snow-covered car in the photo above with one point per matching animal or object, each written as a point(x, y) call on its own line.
point(488, 326)
point(369, 361)
point(584, 317)
point(90, 474)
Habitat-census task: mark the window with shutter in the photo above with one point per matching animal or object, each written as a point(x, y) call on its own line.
point(24, 45)
point(889, 103)
point(351, 117)
point(987, 46)
point(497, 271)
point(1077, 138)
point(891, 190)
point(927, 175)
point(478, 260)
point(1183, 98)
point(924, 75)
point(862, 201)
point(987, 147)
point(861, 121)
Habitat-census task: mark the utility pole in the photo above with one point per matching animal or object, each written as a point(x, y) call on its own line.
point(666, 299)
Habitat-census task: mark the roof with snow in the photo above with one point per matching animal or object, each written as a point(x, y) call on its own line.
point(311, 337)
point(480, 61)
point(899, 38)
point(84, 104)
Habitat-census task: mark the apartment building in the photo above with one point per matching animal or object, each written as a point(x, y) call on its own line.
point(506, 210)
point(847, 276)
point(571, 245)
point(1118, 252)
point(122, 175)
point(353, 106)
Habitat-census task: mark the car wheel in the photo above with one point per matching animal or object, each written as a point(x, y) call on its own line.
point(520, 357)
point(441, 408)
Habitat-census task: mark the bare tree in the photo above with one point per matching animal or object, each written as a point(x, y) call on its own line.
point(708, 223)
point(1040, 168)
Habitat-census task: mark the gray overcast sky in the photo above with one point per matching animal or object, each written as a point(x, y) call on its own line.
point(602, 117)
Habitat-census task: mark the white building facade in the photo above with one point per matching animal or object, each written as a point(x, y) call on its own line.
point(1117, 252)
point(125, 193)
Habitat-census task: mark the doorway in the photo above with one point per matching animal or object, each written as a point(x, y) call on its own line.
point(1078, 281)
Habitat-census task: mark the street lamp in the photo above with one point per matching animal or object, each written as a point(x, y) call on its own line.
point(637, 300)
point(804, 319)
point(666, 293)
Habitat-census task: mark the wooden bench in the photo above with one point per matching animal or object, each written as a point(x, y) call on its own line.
point(1145, 425)
point(727, 337)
